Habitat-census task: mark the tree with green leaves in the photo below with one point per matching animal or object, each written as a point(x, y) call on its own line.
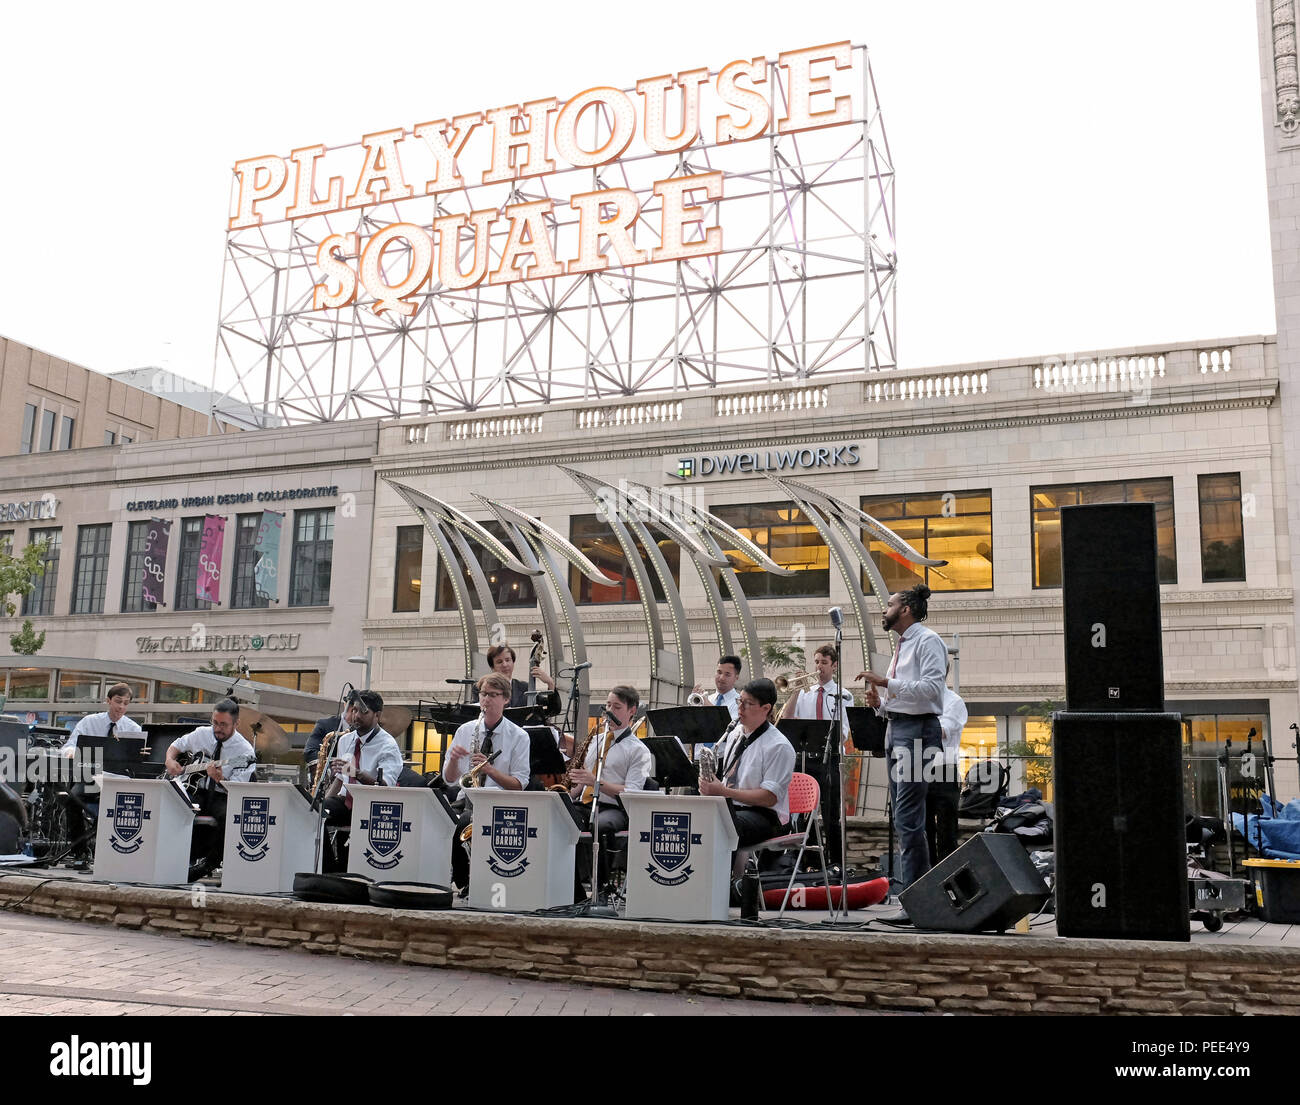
point(18, 574)
point(1036, 751)
point(778, 655)
point(27, 642)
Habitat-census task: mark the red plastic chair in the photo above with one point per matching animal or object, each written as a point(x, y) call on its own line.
point(805, 796)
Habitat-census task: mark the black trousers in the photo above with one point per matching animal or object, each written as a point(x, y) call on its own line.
point(941, 818)
point(755, 824)
point(209, 841)
point(613, 820)
point(459, 854)
point(334, 847)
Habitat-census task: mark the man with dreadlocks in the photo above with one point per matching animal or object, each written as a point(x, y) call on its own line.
point(911, 697)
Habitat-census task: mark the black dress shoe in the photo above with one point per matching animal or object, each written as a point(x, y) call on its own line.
point(898, 919)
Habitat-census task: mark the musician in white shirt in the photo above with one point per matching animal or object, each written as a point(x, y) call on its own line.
point(112, 722)
point(219, 742)
point(911, 697)
point(503, 753)
point(943, 792)
point(724, 680)
point(818, 703)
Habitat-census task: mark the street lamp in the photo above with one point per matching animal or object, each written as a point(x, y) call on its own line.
point(370, 650)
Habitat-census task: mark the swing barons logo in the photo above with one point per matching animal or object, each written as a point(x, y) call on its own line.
point(128, 815)
point(384, 828)
point(670, 840)
point(508, 836)
point(254, 820)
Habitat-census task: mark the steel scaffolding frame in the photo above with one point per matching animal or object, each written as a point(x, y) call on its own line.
point(803, 288)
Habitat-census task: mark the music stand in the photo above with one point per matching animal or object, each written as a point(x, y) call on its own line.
point(809, 738)
point(672, 768)
point(526, 717)
point(867, 730)
point(544, 755)
point(691, 724)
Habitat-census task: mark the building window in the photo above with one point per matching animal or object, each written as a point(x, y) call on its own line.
point(956, 526)
point(41, 599)
point(1223, 546)
point(406, 573)
point(126, 440)
point(783, 532)
point(110, 438)
point(29, 427)
point(90, 573)
point(187, 566)
point(6, 542)
point(306, 681)
point(245, 594)
point(591, 534)
point(66, 427)
point(137, 538)
point(47, 431)
point(508, 588)
point(313, 554)
point(1045, 506)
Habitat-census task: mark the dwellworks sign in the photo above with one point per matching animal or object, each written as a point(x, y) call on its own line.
point(769, 460)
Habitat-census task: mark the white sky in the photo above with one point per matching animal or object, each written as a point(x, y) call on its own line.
point(1070, 176)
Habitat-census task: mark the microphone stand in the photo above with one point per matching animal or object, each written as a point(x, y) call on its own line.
point(835, 746)
point(318, 799)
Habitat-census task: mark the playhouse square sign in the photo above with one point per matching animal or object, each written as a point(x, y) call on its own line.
point(455, 159)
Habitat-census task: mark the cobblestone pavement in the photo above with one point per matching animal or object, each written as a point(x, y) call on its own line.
point(52, 967)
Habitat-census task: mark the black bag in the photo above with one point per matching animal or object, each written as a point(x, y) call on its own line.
point(982, 790)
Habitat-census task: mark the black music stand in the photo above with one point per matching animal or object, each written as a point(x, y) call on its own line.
point(526, 717)
point(544, 755)
point(812, 744)
point(867, 730)
point(808, 737)
point(672, 768)
point(691, 724)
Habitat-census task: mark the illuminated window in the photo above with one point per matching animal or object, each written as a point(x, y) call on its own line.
point(1223, 548)
point(1035, 755)
point(591, 534)
point(305, 681)
point(955, 526)
point(406, 575)
point(41, 599)
point(1204, 741)
point(313, 557)
point(245, 595)
point(979, 741)
point(1046, 502)
point(506, 587)
point(90, 573)
point(783, 532)
point(187, 566)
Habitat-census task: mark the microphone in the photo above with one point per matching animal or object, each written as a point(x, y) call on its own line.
point(837, 617)
point(463, 682)
point(582, 667)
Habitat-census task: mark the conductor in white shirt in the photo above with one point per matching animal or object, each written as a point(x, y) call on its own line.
point(911, 697)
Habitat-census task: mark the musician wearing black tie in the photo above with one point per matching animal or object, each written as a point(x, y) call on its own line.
point(724, 681)
point(625, 763)
point(222, 745)
point(112, 722)
point(754, 766)
point(365, 754)
point(494, 751)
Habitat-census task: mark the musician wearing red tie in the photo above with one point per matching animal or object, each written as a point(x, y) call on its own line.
point(911, 697)
point(818, 703)
point(724, 680)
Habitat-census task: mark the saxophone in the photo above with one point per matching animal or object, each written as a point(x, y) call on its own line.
point(578, 758)
point(470, 778)
point(326, 753)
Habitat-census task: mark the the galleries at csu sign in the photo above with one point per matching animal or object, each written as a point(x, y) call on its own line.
point(459, 160)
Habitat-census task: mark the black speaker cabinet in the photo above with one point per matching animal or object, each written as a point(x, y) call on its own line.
point(1111, 593)
point(1121, 855)
point(987, 884)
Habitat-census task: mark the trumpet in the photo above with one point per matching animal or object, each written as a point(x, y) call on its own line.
point(791, 683)
point(696, 699)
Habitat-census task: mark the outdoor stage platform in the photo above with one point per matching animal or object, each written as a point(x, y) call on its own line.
point(1246, 968)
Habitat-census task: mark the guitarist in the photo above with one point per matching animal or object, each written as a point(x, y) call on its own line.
point(219, 742)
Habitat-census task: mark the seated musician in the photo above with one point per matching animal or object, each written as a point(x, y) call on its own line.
point(492, 737)
point(367, 755)
point(221, 744)
point(501, 659)
point(110, 724)
point(627, 764)
point(754, 766)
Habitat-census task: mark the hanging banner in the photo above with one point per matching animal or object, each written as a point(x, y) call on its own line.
point(208, 584)
point(153, 566)
point(267, 549)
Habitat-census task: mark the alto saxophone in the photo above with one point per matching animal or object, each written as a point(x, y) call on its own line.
point(578, 759)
